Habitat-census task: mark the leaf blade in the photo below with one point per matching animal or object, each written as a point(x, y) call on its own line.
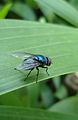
point(29, 114)
point(56, 42)
point(62, 9)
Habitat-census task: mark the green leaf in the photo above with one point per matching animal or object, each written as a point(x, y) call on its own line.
point(24, 11)
point(62, 92)
point(4, 11)
point(47, 96)
point(31, 3)
point(74, 3)
point(62, 9)
point(47, 11)
point(57, 82)
point(15, 98)
point(33, 93)
point(17, 113)
point(68, 106)
point(60, 43)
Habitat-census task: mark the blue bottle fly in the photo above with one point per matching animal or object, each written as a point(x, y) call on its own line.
point(31, 61)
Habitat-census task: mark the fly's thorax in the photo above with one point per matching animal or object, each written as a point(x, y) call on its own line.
point(42, 59)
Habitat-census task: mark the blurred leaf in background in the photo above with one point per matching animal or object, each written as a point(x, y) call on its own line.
point(68, 106)
point(24, 11)
point(4, 11)
point(16, 113)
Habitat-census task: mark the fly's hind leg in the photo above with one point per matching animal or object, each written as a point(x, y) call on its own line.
point(19, 71)
point(23, 72)
point(29, 73)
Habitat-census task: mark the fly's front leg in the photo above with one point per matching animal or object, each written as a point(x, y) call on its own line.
point(46, 70)
point(37, 74)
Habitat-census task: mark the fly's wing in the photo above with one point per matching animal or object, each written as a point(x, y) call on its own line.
point(21, 55)
point(28, 64)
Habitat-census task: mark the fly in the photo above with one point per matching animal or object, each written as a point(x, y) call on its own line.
point(32, 61)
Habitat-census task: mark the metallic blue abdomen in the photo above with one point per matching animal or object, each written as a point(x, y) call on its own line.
point(41, 58)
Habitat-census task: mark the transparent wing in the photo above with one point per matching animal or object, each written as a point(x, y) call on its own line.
point(22, 55)
point(28, 64)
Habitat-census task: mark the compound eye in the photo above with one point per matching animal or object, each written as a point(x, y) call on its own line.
point(49, 62)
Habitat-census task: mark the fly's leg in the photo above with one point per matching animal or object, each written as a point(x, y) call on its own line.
point(37, 74)
point(19, 71)
point(23, 72)
point(29, 73)
point(46, 70)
